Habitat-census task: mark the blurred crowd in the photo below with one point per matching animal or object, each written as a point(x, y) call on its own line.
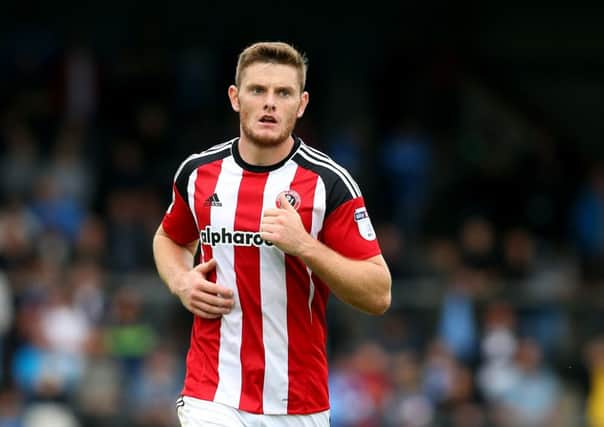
point(493, 228)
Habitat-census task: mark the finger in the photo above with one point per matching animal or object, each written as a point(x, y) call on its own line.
point(269, 220)
point(284, 203)
point(269, 228)
point(215, 289)
point(271, 212)
point(268, 236)
point(209, 309)
point(213, 299)
point(206, 267)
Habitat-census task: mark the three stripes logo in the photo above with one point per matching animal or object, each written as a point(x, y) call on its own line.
point(213, 200)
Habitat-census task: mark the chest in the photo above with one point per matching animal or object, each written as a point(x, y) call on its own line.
point(235, 199)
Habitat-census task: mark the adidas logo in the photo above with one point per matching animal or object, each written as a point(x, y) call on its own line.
point(213, 200)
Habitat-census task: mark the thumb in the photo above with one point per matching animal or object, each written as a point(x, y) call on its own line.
point(284, 203)
point(206, 267)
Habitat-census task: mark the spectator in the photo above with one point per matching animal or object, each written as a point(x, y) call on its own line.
point(19, 163)
point(6, 317)
point(11, 407)
point(594, 354)
point(56, 211)
point(498, 346)
point(534, 395)
point(408, 406)
point(458, 326)
point(69, 169)
point(405, 165)
point(153, 390)
point(129, 337)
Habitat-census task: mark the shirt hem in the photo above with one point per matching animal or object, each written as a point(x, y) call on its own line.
point(309, 412)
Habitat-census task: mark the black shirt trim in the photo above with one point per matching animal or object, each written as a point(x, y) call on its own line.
point(268, 168)
point(336, 192)
point(182, 179)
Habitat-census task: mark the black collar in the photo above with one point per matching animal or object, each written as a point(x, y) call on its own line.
point(268, 168)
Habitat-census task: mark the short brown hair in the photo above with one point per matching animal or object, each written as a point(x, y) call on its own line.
point(275, 53)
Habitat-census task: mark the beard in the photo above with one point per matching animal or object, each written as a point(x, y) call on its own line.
point(264, 139)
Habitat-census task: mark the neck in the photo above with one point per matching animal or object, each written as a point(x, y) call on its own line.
point(258, 154)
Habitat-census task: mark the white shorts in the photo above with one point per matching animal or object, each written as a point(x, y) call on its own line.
point(202, 413)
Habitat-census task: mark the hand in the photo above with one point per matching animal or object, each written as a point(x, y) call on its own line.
point(283, 227)
point(201, 297)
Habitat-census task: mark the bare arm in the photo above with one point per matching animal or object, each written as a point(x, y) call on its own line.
point(364, 284)
point(198, 295)
point(171, 259)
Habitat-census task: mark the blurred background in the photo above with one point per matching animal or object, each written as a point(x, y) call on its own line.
point(475, 131)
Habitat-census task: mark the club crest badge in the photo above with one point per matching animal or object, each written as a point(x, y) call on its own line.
point(292, 197)
point(361, 217)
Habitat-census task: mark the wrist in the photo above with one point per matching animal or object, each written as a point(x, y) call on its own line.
point(175, 284)
point(308, 247)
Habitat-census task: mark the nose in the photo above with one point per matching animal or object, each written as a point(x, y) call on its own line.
point(269, 102)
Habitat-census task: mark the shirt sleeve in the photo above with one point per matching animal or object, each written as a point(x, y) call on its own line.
point(178, 221)
point(348, 230)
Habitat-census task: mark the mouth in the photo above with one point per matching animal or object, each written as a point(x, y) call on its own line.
point(268, 120)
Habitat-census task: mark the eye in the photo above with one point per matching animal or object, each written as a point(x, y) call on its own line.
point(284, 92)
point(256, 90)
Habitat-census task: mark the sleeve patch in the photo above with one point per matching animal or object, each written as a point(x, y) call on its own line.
point(364, 225)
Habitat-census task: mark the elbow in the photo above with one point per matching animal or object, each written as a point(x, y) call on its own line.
point(382, 301)
point(382, 304)
point(376, 305)
point(384, 297)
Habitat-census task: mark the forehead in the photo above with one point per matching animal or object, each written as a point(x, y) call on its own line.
point(269, 74)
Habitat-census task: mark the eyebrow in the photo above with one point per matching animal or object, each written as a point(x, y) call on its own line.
point(289, 88)
point(277, 88)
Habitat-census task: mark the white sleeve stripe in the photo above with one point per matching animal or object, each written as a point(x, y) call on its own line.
point(328, 159)
point(171, 204)
point(329, 166)
point(346, 178)
point(191, 196)
point(216, 149)
point(182, 165)
point(322, 156)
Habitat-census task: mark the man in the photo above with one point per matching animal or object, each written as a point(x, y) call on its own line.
point(272, 226)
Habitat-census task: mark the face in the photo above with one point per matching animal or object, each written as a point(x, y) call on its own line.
point(269, 102)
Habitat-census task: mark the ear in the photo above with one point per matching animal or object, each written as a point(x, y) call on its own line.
point(304, 98)
point(234, 97)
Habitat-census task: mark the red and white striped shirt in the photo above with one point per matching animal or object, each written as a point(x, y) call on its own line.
point(268, 354)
